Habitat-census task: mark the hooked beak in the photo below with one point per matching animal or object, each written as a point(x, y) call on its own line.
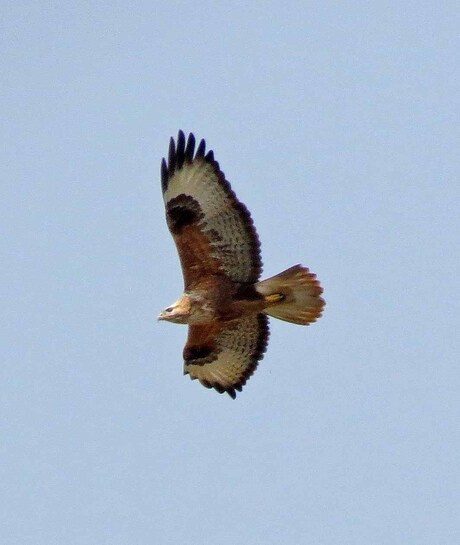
point(166, 313)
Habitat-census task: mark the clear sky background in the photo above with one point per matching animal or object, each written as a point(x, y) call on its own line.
point(337, 123)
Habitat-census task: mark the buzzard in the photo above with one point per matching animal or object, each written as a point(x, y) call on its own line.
point(224, 303)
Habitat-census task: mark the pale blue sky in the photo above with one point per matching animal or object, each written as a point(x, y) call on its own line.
point(337, 123)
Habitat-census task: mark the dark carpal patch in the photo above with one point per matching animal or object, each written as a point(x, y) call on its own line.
point(181, 211)
point(198, 352)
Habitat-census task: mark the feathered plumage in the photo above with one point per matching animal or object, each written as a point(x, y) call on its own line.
point(224, 303)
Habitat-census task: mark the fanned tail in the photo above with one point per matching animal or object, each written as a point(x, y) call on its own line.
point(293, 295)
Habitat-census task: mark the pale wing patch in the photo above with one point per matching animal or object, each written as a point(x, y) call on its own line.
point(223, 219)
point(226, 361)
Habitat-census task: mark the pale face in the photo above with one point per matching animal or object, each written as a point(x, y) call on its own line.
point(178, 312)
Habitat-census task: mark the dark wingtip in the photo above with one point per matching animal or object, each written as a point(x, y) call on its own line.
point(180, 151)
point(171, 156)
point(190, 149)
point(231, 393)
point(164, 175)
point(201, 149)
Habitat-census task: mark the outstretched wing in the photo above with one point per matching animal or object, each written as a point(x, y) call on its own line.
point(213, 231)
point(225, 357)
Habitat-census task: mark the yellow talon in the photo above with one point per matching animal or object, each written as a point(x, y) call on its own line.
point(274, 298)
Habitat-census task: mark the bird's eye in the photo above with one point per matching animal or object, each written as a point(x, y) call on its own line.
point(169, 309)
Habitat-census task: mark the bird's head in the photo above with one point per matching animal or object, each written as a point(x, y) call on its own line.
point(179, 312)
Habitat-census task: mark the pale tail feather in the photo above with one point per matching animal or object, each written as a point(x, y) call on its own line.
point(293, 295)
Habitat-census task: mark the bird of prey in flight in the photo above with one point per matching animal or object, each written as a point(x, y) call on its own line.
point(225, 304)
